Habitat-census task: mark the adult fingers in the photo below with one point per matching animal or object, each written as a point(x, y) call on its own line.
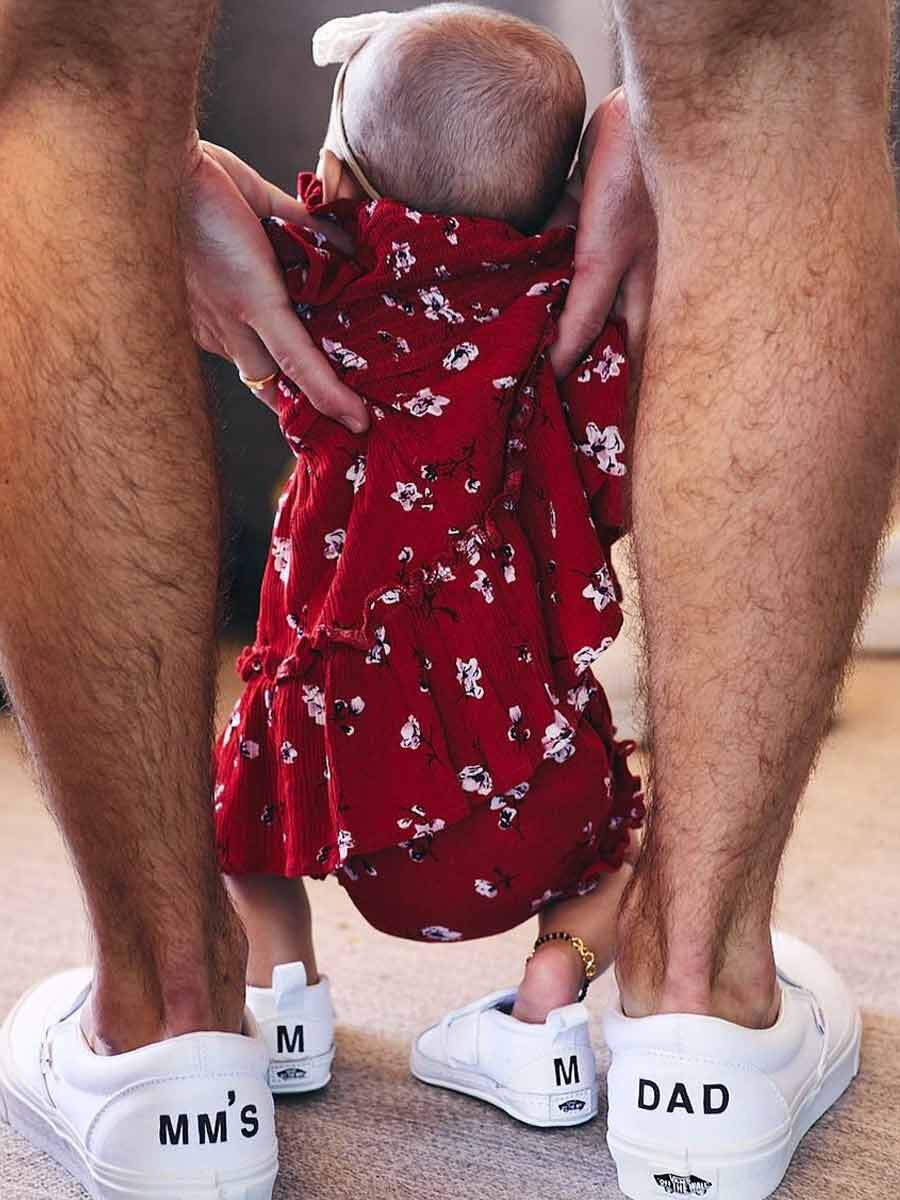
point(291, 347)
point(588, 305)
point(255, 363)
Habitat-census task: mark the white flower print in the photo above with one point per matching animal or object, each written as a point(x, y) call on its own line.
point(471, 547)
point(426, 403)
point(411, 734)
point(407, 495)
point(344, 357)
point(440, 933)
point(451, 230)
point(345, 844)
point(553, 521)
point(484, 887)
point(439, 574)
point(281, 553)
point(405, 555)
point(604, 446)
point(580, 697)
point(314, 698)
point(609, 365)
point(392, 596)
point(506, 554)
point(405, 306)
point(600, 589)
point(468, 676)
point(482, 584)
point(437, 306)
point(518, 732)
point(334, 543)
point(476, 778)
point(249, 749)
point(585, 658)
point(559, 739)
point(402, 258)
point(484, 316)
point(416, 818)
point(288, 753)
point(414, 216)
point(508, 804)
point(441, 272)
point(551, 695)
point(505, 383)
point(547, 898)
point(381, 648)
point(539, 289)
point(461, 356)
point(356, 472)
point(344, 709)
point(472, 486)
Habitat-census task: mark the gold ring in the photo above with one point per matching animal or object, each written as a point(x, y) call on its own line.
point(256, 385)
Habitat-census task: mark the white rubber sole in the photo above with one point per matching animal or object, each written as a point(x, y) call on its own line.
point(295, 1076)
point(649, 1173)
point(545, 1110)
point(50, 1132)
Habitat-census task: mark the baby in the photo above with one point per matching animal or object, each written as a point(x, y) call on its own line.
point(420, 715)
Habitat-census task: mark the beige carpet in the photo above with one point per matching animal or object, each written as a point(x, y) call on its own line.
point(377, 1134)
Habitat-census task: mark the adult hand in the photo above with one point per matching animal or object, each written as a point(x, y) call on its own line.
point(615, 252)
point(238, 300)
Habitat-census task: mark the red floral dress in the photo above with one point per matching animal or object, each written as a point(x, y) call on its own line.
point(439, 588)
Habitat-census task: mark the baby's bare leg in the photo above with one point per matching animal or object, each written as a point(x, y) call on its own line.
point(554, 977)
point(278, 921)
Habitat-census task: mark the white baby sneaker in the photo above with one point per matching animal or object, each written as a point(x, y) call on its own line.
point(296, 1022)
point(702, 1107)
point(543, 1075)
point(186, 1119)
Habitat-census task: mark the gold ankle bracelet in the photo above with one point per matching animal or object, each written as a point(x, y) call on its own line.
point(588, 957)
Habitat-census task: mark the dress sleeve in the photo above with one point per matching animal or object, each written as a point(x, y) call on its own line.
point(316, 272)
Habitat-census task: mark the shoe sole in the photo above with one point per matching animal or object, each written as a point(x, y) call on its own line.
point(752, 1176)
point(314, 1074)
point(514, 1104)
point(51, 1133)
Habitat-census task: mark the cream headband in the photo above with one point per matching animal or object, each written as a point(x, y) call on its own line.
point(336, 42)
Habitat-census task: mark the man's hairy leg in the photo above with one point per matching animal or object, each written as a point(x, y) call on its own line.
point(109, 523)
point(766, 446)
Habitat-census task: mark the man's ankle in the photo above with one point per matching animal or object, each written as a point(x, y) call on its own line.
point(135, 1001)
point(665, 966)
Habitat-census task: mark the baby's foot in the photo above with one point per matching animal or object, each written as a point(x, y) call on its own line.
point(553, 978)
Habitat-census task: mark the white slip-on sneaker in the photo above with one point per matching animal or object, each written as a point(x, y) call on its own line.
point(296, 1021)
point(703, 1107)
point(186, 1119)
point(544, 1075)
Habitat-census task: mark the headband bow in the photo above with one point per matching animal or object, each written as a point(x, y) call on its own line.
point(338, 40)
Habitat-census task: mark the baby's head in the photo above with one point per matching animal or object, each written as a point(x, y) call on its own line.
point(460, 109)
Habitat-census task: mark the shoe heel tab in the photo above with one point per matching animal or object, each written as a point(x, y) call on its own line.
point(289, 982)
point(570, 1017)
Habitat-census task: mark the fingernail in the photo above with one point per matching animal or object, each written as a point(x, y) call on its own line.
point(355, 424)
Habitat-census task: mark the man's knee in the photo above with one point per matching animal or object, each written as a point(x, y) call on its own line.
point(97, 49)
point(715, 58)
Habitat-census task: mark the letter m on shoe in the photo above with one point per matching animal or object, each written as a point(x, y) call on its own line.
point(290, 1041)
point(566, 1073)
